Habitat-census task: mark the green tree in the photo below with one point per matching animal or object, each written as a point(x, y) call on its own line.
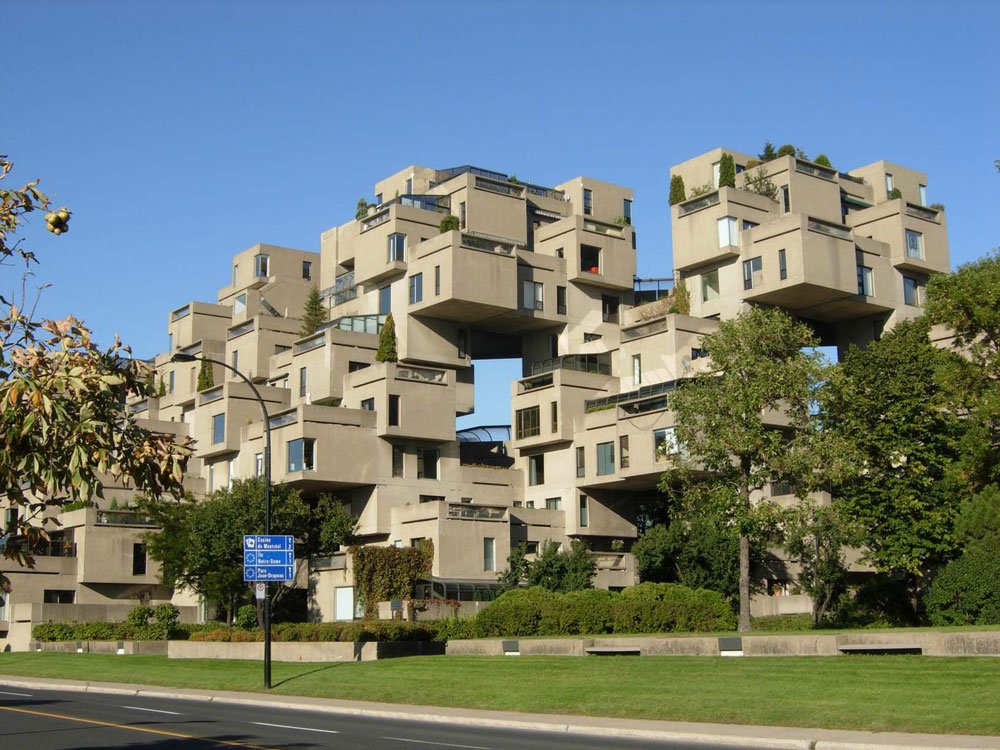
point(887, 401)
point(680, 300)
point(895, 193)
point(787, 150)
point(967, 302)
point(727, 420)
point(64, 428)
point(768, 153)
point(727, 171)
point(563, 570)
point(823, 160)
point(760, 182)
point(387, 342)
point(199, 545)
point(314, 314)
point(979, 519)
point(362, 209)
point(677, 192)
point(206, 376)
point(449, 223)
point(517, 568)
point(336, 525)
point(817, 538)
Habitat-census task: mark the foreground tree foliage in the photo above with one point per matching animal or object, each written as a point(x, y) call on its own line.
point(64, 428)
point(887, 401)
point(314, 313)
point(745, 422)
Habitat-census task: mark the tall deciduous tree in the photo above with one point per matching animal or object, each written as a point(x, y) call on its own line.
point(886, 400)
point(314, 315)
point(747, 421)
point(64, 428)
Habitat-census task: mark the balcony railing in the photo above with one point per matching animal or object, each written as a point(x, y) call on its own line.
point(696, 204)
point(438, 203)
point(211, 395)
point(281, 420)
point(814, 170)
point(343, 290)
point(374, 221)
point(421, 374)
point(612, 230)
point(841, 233)
point(599, 363)
point(534, 383)
point(489, 243)
point(443, 175)
point(545, 192)
point(628, 334)
point(356, 323)
point(313, 342)
point(646, 392)
point(180, 312)
point(503, 188)
point(122, 518)
point(240, 330)
point(921, 212)
point(468, 512)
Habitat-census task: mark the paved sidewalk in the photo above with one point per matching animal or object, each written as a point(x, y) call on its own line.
point(724, 734)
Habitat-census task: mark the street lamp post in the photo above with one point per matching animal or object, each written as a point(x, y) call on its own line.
point(181, 357)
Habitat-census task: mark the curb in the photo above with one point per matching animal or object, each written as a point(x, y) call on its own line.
point(727, 734)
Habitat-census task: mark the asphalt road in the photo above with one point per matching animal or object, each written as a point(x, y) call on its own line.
point(55, 720)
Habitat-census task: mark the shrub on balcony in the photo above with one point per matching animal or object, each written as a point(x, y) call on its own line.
point(768, 153)
point(823, 160)
point(387, 342)
point(362, 209)
point(680, 299)
point(708, 187)
point(206, 378)
point(313, 314)
point(677, 192)
point(727, 171)
point(758, 181)
point(787, 150)
point(449, 224)
point(895, 193)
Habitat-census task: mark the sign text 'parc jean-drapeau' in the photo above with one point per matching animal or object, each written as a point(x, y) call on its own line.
point(268, 558)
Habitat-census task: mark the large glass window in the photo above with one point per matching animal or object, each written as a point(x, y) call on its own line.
point(393, 411)
point(588, 202)
point(138, 559)
point(385, 300)
point(536, 469)
point(397, 247)
point(240, 304)
point(636, 369)
point(561, 300)
point(584, 511)
point(170, 382)
point(914, 245)
point(427, 463)
point(261, 266)
point(786, 199)
point(527, 423)
point(665, 443)
point(605, 458)
point(753, 273)
point(302, 382)
point(627, 210)
point(416, 288)
point(590, 258)
point(397, 460)
point(531, 295)
point(923, 195)
point(609, 309)
point(368, 404)
point(912, 292)
point(218, 428)
point(710, 285)
point(489, 554)
point(307, 272)
point(301, 455)
point(728, 232)
point(581, 462)
point(553, 503)
point(865, 281)
point(623, 456)
point(782, 265)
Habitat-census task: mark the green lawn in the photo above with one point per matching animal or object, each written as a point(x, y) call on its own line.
point(882, 693)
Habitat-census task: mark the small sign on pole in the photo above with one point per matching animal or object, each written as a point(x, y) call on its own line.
point(260, 590)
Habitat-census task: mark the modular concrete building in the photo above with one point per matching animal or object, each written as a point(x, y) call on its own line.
point(544, 274)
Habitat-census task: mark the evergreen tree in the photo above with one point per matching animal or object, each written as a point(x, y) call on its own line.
point(823, 160)
point(387, 342)
point(727, 171)
point(449, 223)
point(768, 153)
point(362, 209)
point(206, 378)
point(677, 193)
point(787, 150)
point(314, 314)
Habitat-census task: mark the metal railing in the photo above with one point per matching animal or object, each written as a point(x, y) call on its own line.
point(514, 191)
point(468, 512)
point(921, 212)
point(356, 323)
point(313, 342)
point(696, 204)
point(813, 170)
point(489, 244)
point(374, 221)
point(598, 363)
point(240, 329)
point(841, 233)
point(421, 374)
point(122, 518)
point(646, 392)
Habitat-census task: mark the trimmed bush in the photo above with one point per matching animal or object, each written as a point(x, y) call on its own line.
point(246, 617)
point(449, 224)
point(787, 150)
point(583, 612)
point(517, 613)
point(727, 171)
point(454, 628)
point(782, 623)
point(895, 193)
point(677, 192)
point(823, 160)
point(967, 591)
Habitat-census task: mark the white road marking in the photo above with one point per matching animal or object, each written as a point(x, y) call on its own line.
point(19, 695)
point(288, 726)
point(439, 744)
point(152, 710)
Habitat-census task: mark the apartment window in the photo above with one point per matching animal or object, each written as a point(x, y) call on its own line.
point(623, 451)
point(258, 465)
point(138, 559)
point(463, 343)
point(914, 244)
point(588, 337)
point(230, 472)
point(536, 469)
point(529, 504)
point(235, 360)
point(409, 185)
point(584, 512)
point(554, 414)
point(211, 477)
point(664, 443)
point(431, 498)
point(553, 503)
point(527, 423)
point(307, 270)
point(397, 247)
point(218, 428)
point(385, 300)
point(461, 215)
point(590, 259)
point(912, 292)
point(437, 280)
point(698, 353)
point(532, 295)
point(397, 460)
point(427, 463)
point(627, 210)
point(588, 202)
point(605, 459)
point(261, 266)
point(710, 285)
point(636, 369)
point(170, 382)
point(553, 345)
point(747, 224)
point(393, 411)
point(170, 342)
point(10, 518)
point(489, 554)
point(368, 404)
point(560, 253)
point(728, 232)
point(240, 304)
point(786, 200)
point(923, 195)
point(378, 199)
point(302, 382)
point(58, 596)
point(782, 265)
point(561, 300)
point(888, 183)
point(416, 288)
point(865, 281)
point(581, 462)
point(301, 455)
point(752, 273)
point(236, 273)
point(355, 366)
point(609, 309)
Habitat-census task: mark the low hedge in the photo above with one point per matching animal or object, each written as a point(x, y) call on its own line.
point(325, 632)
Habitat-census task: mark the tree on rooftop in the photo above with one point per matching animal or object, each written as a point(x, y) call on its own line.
point(314, 315)
point(387, 342)
point(64, 428)
point(727, 171)
point(677, 192)
point(206, 376)
point(768, 153)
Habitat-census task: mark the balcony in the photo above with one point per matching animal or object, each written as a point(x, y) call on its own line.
point(595, 363)
point(122, 518)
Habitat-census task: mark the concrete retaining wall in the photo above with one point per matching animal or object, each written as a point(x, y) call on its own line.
point(102, 647)
point(311, 652)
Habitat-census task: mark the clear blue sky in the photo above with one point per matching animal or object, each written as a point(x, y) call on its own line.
point(180, 133)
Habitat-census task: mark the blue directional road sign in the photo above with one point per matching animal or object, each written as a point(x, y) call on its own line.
point(268, 558)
